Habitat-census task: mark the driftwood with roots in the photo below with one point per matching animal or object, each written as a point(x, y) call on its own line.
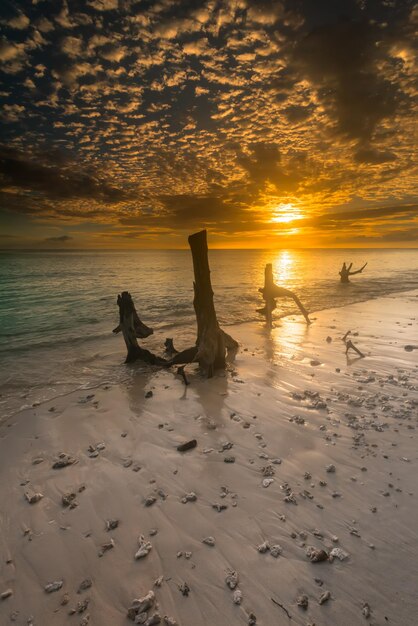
point(131, 327)
point(212, 343)
point(349, 345)
point(271, 291)
point(345, 272)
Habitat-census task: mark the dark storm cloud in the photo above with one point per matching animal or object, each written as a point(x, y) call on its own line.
point(343, 218)
point(61, 239)
point(374, 157)
point(52, 181)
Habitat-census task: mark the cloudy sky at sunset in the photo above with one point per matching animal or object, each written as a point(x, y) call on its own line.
point(285, 123)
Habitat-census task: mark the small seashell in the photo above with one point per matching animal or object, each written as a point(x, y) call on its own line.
point(189, 497)
point(338, 553)
point(316, 555)
point(263, 547)
point(303, 601)
point(56, 585)
point(32, 498)
point(237, 596)
point(324, 597)
point(144, 548)
point(232, 579)
point(209, 541)
point(276, 550)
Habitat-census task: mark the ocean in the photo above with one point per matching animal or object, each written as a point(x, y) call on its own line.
point(57, 309)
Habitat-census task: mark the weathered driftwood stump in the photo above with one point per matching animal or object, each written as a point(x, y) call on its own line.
point(212, 342)
point(271, 291)
point(132, 327)
point(346, 272)
point(211, 345)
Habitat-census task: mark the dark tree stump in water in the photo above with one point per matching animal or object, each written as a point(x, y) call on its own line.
point(131, 325)
point(271, 291)
point(346, 272)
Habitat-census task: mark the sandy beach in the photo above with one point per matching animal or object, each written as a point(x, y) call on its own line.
point(303, 483)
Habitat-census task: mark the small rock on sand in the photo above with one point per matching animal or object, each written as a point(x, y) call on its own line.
point(187, 445)
point(32, 498)
point(6, 594)
point(63, 460)
point(144, 548)
point(56, 585)
point(324, 597)
point(303, 601)
point(330, 468)
point(237, 596)
point(209, 541)
point(316, 555)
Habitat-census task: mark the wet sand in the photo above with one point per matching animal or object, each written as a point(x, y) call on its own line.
point(301, 454)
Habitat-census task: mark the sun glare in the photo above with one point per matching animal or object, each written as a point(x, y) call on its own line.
point(285, 213)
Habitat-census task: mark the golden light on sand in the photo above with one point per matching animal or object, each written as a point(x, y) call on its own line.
point(285, 213)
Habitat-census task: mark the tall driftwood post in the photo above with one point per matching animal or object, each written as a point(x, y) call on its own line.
point(271, 291)
point(212, 342)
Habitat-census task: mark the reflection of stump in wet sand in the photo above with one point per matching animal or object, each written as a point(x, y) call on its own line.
point(271, 291)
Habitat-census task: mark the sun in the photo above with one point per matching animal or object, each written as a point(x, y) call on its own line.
point(285, 213)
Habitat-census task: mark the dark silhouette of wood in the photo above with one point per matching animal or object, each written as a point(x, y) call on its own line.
point(130, 328)
point(212, 342)
point(169, 347)
point(349, 345)
point(271, 291)
point(346, 272)
point(141, 330)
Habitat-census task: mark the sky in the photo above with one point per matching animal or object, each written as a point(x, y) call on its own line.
point(131, 124)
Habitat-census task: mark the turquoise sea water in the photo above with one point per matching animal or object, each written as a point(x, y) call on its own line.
point(57, 309)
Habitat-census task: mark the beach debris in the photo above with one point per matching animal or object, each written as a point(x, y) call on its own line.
point(268, 470)
point(324, 597)
point(330, 468)
point(63, 460)
point(81, 607)
point(316, 555)
point(189, 497)
point(366, 610)
point(267, 482)
point(187, 445)
point(106, 547)
point(219, 507)
point(231, 579)
point(111, 524)
point(349, 345)
point(140, 606)
point(252, 620)
point(282, 607)
point(303, 601)
point(169, 621)
point(276, 550)
point(298, 419)
point(158, 581)
point(85, 620)
point(144, 547)
point(69, 500)
point(84, 585)
point(263, 547)
point(56, 585)
point(229, 459)
point(338, 553)
point(150, 500)
point(32, 498)
point(6, 594)
point(209, 541)
point(237, 597)
point(184, 589)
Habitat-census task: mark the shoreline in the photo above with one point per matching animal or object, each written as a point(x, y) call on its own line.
point(363, 416)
